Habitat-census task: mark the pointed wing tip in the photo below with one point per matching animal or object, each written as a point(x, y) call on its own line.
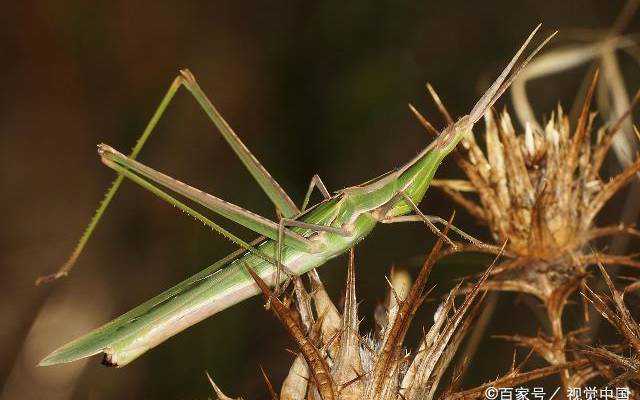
point(65, 355)
point(57, 358)
point(48, 361)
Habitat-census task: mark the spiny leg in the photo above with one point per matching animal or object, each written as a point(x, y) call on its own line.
point(277, 263)
point(256, 223)
point(135, 170)
point(68, 265)
point(190, 211)
point(278, 196)
point(275, 192)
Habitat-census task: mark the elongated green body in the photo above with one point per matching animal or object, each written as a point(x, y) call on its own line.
point(328, 230)
point(226, 282)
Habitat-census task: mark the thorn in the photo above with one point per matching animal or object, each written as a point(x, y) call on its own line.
point(424, 122)
point(267, 382)
point(393, 291)
point(288, 350)
point(439, 104)
point(216, 389)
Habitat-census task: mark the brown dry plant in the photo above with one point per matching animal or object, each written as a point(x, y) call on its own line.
point(619, 363)
point(540, 192)
point(334, 360)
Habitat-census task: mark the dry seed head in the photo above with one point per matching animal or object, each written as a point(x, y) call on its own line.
point(541, 191)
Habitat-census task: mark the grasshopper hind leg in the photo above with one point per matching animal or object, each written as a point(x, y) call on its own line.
point(270, 186)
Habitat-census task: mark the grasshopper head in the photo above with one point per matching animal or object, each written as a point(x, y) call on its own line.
point(451, 136)
point(415, 176)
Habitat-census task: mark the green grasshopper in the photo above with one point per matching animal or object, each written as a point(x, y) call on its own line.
point(302, 240)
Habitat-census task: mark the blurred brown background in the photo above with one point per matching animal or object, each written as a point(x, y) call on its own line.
point(312, 87)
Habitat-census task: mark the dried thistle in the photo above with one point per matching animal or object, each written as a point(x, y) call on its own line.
point(540, 192)
point(337, 361)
